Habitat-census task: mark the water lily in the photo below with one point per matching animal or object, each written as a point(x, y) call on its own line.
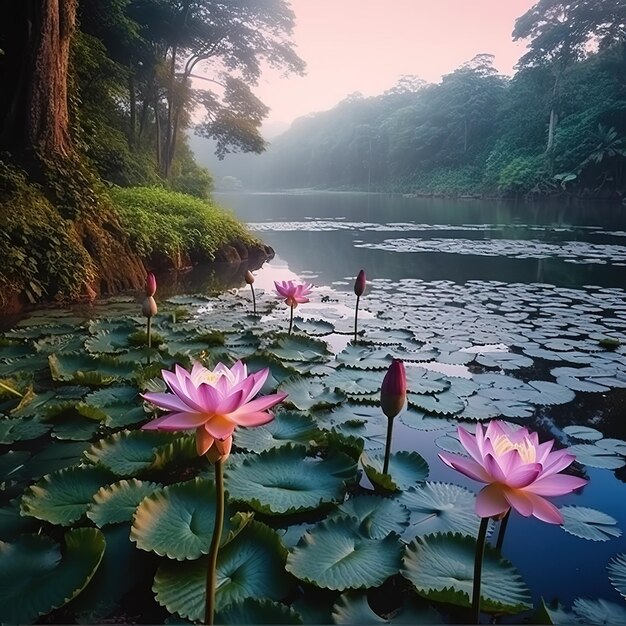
point(294, 295)
point(213, 403)
point(151, 285)
point(392, 400)
point(359, 288)
point(518, 471)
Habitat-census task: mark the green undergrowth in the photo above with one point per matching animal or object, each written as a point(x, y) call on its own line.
point(176, 225)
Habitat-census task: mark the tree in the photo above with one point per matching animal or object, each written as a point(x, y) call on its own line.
point(35, 36)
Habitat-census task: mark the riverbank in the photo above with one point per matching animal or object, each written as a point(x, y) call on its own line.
point(72, 239)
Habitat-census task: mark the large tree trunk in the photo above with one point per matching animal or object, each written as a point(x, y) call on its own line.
point(34, 68)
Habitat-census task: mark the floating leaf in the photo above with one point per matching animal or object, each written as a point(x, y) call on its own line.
point(116, 503)
point(36, 576)
point(309, 394)
point(284, 480)
point(444, 403)
point(334, 556)
point(599, 611)
point(587, 523)
point(253, 611)
point(438, 508)
point(285, 428)
point(251, 567)
point(353, 608)
point(375, 516)
point(406, 469)
point(594, 456)
point(617, 573)
point(12, 430)
point(583, 433)
point(441, 568)
point(64, 496)
point(298, 348)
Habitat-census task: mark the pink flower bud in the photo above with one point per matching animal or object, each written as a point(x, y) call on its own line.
point(151, 285)
point(359, 283)
point(149, 307)
point(249, 277)
point(393, 389)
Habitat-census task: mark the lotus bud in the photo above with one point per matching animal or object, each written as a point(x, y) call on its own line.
point(149, 307)
point(249, 277)
point(151, 285)
point(359, 284)
point(393, 389)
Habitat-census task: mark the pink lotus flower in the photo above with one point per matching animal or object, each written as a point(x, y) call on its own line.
point(151, 285)
point(293, 294)
point(213, 402)
point(518, 471)
point(393, 389)
point(359, 284)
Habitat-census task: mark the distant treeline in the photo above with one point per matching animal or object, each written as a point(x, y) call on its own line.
point(558, 125)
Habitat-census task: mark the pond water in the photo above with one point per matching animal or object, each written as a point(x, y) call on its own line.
point(539, 285)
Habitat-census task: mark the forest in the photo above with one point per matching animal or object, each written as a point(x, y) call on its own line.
point(97, 182)
point(557, 126)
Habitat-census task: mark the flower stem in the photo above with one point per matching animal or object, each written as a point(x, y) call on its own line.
point(253, 299)
point(11, 390)
point(388, 444)
point(211, 575)
point(502, 530)
point(290, 320)
point(149, 335)
point(478, 568)
point(356, 316)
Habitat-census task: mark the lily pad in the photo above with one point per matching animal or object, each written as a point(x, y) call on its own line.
point(594, 456)
point(582, 433)
point(375, 516)
point(334, 556)
point(286, 427)
point(439, 508)
point(307, 395)
point(353, 608)
point(63, 497)
point(37, 576)
point(587, 523)
point(406, 469)
point(617, 573)
point(285, 480)
point(253, 611)
point(441, 568)
point(251, 567)
point(117, 503)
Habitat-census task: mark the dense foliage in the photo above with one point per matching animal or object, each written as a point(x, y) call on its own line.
point(558, 124)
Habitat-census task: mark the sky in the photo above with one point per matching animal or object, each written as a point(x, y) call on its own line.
point(366, 45)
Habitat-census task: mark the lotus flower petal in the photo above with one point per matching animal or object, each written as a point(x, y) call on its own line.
point(213, 403)
point(293, 293)
point(518, 470)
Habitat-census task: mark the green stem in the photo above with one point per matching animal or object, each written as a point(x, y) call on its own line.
point(211, 575)
point(388, 444)
point(478, 568)
point(356, 316)
point(149, 334)
point(502, 530)
point(253, 299)
point(11, 390)
point(290, 321)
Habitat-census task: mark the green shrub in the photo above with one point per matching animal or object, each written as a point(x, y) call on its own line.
point(174, 224)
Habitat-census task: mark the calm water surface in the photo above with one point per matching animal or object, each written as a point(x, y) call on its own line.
point(327, 237)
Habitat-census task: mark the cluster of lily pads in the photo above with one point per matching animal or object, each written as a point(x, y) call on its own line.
point(102, 520)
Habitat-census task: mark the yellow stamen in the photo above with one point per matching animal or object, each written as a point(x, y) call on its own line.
point(526, 449)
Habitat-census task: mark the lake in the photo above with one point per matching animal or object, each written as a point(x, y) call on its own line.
point(544, 282)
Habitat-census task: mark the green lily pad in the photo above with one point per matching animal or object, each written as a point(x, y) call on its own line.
point(127, 453)
point(353, 608)
point(37, 576)
point(444, 403)
point(599, 611)
point(375, 516)
point(251, 567)
point(283, 480)
point(12, 430)
point(63, 497)
point(13, 524)
point(583, 433)
point(617, 573)
point(286, 427)
point(299, 348)
point(441, 568)
point(406, 469)
point(307, 395)
point(595, 456)
point(333, 556)
point(253, 611)
point(587, 523)
point(439, 508)
point(56, 456)
point(177, 521)
point(117, 503)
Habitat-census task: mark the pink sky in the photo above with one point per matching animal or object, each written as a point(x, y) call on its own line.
point(366, 45)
